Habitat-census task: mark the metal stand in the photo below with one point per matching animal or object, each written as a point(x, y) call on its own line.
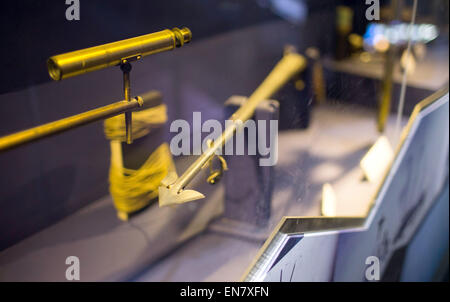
point(125, 66)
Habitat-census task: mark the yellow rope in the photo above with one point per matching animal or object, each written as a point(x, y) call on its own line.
point(131, 189)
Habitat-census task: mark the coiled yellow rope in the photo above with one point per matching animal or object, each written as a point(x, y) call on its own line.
point(131, 189)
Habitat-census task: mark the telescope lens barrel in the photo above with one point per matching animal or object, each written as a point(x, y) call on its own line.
point(98, 57)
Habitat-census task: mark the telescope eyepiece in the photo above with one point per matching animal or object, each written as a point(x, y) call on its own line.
point(182, 36)
point(53, 70)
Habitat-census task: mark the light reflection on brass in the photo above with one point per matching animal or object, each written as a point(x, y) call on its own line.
point(98, 57)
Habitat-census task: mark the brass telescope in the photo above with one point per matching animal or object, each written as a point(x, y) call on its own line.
point(172, 188)
point(78, 62)
point(119, 53)
point(32, 134)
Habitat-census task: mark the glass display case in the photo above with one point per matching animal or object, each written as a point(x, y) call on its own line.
point(265, 140)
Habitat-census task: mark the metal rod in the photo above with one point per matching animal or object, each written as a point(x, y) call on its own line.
point(126, 68)
point(384, 102)
point(401, 101)
point(384, 105)
point(290, 65)
point(14, 140)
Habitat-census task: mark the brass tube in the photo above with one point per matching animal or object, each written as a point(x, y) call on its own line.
point(384, 102)
point(98, 57)
point(287, 67)
point(16, 139)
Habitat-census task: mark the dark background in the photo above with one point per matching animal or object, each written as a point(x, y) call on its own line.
point(33, 30)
